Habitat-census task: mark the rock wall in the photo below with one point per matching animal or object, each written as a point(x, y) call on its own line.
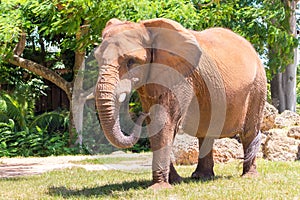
point(280, 141)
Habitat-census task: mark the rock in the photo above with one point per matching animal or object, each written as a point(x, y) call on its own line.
point(270, 113)
point(294, 132)
point(287, 119)
point(226, 150)
point(279, 147)
point(185, 150)
point(280, 141)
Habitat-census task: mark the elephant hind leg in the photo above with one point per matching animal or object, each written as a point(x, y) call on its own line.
point(205, 165)
point(251, 137)
point(250, 151)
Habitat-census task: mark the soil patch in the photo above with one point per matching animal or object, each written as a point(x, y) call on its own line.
point(13, 167)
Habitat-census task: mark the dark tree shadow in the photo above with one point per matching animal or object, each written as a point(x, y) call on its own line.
point(108, 190)
point(204, 180)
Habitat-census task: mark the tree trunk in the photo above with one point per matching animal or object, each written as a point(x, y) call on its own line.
point(277, 92)
point(289, 84)
point(79, 98)
point(290, 74)
point(76, 115)
point(283, 85)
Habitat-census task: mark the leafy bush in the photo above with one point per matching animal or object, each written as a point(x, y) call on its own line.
point(23, 134)
point(36, 142)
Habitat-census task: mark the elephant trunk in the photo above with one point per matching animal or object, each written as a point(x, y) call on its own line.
point(108, 109)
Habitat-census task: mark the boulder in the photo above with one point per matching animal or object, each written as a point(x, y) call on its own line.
point(270, 113)
point(279, 147)
point(280, 141)
point(294, 132)
point(185, 150)
point(226, 150)
point(287, 119)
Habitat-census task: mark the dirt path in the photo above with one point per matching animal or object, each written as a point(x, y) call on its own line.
point(12, 167)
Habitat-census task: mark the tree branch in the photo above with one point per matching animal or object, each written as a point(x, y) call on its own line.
point(44, 72)
point(88, 94)
point(80, 51)
point(20, 46)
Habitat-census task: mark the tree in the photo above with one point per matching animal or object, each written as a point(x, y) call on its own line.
point(71, 28)
point(43, 36)
point(271, 27)
point(283, 84)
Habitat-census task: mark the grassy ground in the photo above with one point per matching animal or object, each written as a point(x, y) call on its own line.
point(277, 180)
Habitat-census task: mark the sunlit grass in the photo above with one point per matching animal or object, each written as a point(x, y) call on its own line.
point(277, 180)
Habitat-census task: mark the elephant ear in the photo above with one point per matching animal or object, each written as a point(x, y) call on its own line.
point(113, 21)
point(171, 40)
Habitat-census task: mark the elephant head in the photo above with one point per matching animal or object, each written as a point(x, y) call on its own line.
point(126, 46)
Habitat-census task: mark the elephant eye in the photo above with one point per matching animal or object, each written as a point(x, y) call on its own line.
point(130, 62)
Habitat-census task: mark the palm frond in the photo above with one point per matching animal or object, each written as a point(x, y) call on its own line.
point(51, 121)
point(12, 109)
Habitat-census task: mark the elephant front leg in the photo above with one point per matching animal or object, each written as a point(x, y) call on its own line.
point(205, 165)
point(161, 167)
point(161, 145)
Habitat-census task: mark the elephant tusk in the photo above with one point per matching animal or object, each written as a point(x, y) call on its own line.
point(122, 97)
point(135, 79)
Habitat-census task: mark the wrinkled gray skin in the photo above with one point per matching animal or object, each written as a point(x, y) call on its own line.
point(210, 84)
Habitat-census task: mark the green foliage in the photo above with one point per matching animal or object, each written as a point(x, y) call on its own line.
point(10, 26)
point(35, 142)
point(19, 102)
point(55, 29)
point(23, 134)
point(57, 23)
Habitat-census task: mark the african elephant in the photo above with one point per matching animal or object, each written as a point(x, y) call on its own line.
point(210, 84)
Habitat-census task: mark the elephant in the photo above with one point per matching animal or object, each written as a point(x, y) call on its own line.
point(210, 84)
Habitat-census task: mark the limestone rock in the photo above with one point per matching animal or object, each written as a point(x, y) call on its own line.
point(279, 147)
point(270, 113)
point(294, 132)
point(185, 150)
point(226, 150)
point(287, 119)
point(280, 141)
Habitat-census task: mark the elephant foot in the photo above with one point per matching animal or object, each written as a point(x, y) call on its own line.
point(252, 172)
point(160, 186)
point(174, 177)
point(203, 176)
point(249, 169)
point(251, 175)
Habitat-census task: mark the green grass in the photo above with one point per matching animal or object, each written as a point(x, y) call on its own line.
point(277, 180)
